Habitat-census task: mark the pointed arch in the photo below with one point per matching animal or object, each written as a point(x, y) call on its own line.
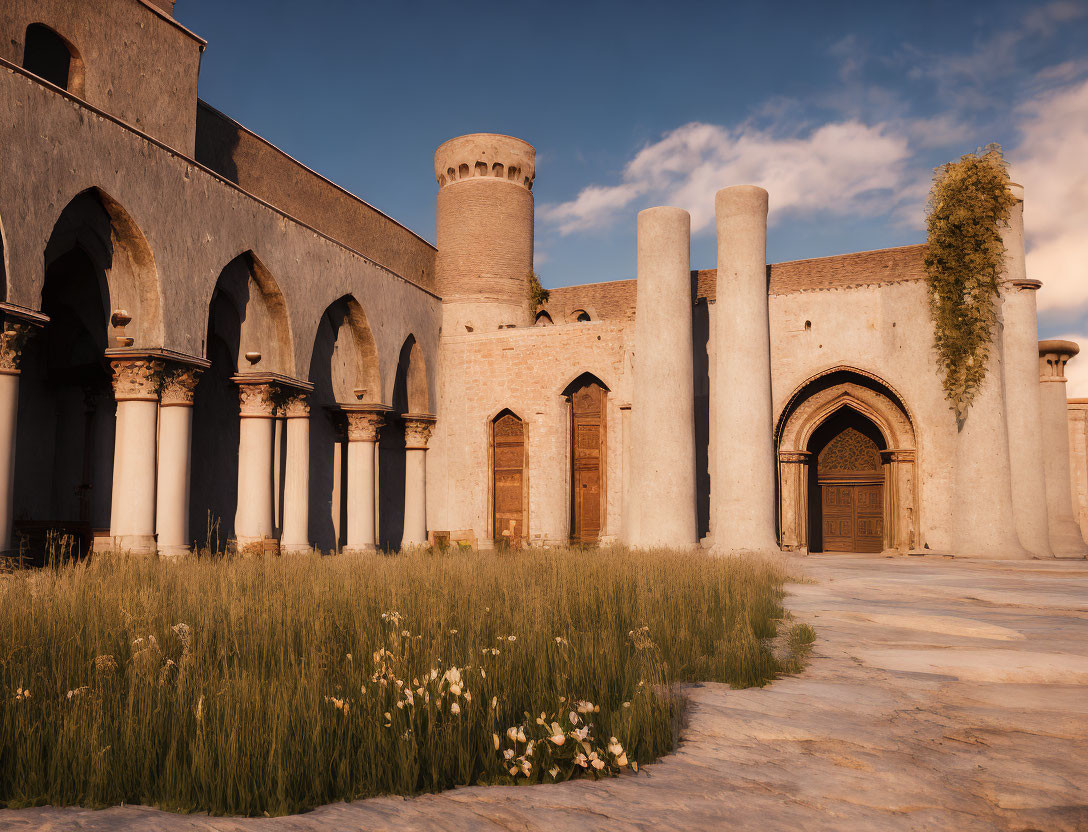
point(588, 397)
point(410, 389)
point(842, 399)
point(580, 380)
point(344, 361)
point(248, 297)
point(103, 229)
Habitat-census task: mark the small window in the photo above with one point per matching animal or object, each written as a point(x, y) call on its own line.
point(581, 316)
point(49, 56)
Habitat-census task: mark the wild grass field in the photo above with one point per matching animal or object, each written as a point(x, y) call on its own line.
point(274, 685)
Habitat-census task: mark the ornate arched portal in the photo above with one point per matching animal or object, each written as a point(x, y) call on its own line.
point(847, 466)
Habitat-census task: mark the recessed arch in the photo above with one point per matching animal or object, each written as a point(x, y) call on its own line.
point(580, 380)
point(846, 399)
point(543, 318)
point(410, 390)
point(344, 361)
point(248, 293)
point(53, 58)
point(99, 225)
point(580, 316)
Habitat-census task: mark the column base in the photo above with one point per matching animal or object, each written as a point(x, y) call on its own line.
point(169, 551)
point(136, 544)
point(295, 548)
point(258, 546)
point(366, 548)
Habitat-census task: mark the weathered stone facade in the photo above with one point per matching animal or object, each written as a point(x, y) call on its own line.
point(204, 341)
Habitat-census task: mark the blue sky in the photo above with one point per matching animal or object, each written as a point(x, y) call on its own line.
point(840, 109)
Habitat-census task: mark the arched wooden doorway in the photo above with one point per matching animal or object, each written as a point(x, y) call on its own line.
point(509, 479)
point(846, 506)
point(848, 430)
point(588, 397)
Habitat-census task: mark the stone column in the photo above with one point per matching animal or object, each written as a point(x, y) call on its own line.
point(742, 495)
point(663, 401)
point(363, 425)
point(12, 339)
point(175, 450)
point(417, 431)
point(296, 480)
point(1021, 357)
point(793, 479)
point(1078, 459)
point(254, 523)
point(1065, 537)
point(629, 527)
point(136, 381)
point(984, 521)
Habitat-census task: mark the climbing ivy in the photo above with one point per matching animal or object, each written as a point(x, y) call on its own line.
point(538, 295)
point(968, 204)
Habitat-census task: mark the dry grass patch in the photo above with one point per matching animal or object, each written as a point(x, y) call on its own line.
point(254, 686)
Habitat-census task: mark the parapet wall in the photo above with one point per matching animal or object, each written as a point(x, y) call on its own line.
point(268, 173)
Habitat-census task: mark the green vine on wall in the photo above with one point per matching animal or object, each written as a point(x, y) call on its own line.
point(538, 295)
point(968, 204)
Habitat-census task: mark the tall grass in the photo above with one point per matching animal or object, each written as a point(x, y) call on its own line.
point(274, 685)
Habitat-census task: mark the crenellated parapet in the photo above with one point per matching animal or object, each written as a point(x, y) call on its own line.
point(485, 155)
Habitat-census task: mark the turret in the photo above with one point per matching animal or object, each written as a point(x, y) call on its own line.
point(485, 231)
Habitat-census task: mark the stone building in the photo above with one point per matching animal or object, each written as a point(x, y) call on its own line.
point(205, 341)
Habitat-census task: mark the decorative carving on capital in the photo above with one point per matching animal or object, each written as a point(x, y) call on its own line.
point(12, 340)
point(417, 431)
point(179, 384)
point(137, 378)
point(257, 399)
point(363, 425)
point(296, 405)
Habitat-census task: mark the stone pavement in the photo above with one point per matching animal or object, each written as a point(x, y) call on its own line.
point(941, 696)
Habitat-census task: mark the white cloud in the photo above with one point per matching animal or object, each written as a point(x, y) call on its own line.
point(840, 168)
point(1050, 162)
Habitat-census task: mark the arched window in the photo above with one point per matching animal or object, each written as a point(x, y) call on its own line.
point(543, 319)
point(581, 316)
point(49, 56)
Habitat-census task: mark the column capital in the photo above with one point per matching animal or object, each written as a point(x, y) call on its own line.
point(1026, 283)
point(137, 377)
point(418, 428)
point(295, 404)
point(256, 398)
point(794, 456)
point(179, 384)
point(364, 422)
point(17, 324)
point(1053, 356)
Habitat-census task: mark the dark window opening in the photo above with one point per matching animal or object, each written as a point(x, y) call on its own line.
point(47, 55)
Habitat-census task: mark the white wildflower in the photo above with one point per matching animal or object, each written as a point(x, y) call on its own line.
point(455, 708)
point(554, 772)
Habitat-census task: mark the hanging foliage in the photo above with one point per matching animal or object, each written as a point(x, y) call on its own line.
point(969, 203)
point(538, 295)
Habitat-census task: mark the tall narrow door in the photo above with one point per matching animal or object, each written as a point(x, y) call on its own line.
point(587, 458)
point(508, 472)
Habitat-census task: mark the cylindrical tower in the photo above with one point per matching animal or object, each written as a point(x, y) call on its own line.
point(485, 231)
point(1022, 389)
point(1065, 536)
point(742, 491)
point(662, 485)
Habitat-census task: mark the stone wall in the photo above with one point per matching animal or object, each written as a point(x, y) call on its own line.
point(525, 370)
point(265, 171)
point(138, 63)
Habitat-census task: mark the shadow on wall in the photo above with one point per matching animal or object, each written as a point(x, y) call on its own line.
point(214, 483)
point(391, 454)
point(217, 139)
point(700, 366)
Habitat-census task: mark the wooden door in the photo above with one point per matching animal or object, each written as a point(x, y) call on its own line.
point(851, 483)
point(508, 477)
point(587, 458)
